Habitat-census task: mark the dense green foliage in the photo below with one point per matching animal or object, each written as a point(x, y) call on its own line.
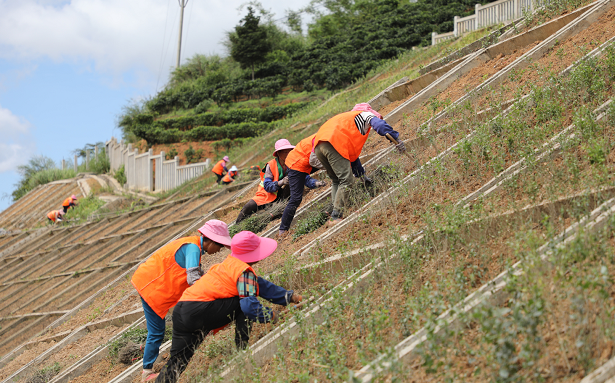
point(39, 170)
point(347, 39)
point(157, 135)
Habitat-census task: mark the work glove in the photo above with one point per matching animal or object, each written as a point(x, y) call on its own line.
point(357, 168)
point(401, 147)
point(366, 181)
point(283, 181)
point(320, 184)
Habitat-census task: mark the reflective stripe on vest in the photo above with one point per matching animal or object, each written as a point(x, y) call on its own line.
point(299, 158)
point(341, 131)
point(160, 280)
point(220, 282)
point(262, 196)
point(219, 167)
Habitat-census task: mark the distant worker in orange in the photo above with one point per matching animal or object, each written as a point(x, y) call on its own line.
point(301, 163)
point(273, 178)
point(220, 168)
point(55, 216)
point(230, 176)
point(162, 279)
point(229, 292)
point(338, 144)
point(69, 202)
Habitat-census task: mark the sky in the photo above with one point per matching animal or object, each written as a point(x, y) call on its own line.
point(68, 67)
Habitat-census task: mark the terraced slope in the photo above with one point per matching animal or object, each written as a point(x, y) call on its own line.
point(439, 274)
point(32, 208)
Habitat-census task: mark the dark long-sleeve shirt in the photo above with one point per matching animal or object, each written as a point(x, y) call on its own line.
point(250, 305)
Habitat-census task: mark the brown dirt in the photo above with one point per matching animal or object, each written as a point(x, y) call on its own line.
point(24, 358)
point(102, 371)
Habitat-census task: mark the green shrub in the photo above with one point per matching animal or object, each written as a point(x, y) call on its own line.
point(193, 155)
point(171, 154)
point(120, 175)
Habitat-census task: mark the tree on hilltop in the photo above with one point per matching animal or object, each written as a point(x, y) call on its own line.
point(249, 43)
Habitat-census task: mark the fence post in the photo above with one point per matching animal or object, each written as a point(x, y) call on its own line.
point(477, 22)
point(160, 172)
point(95, 152)
point(455, 29)
point(175, 176)
point(150, 170)
point(76, 167)
point(87, 160)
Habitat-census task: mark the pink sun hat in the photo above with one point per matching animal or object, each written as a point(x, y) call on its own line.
point(60, 212)
point(249, 247)
point(365, 107)
point(225, 158)
point(217, 231)
point(281, 145)
point(73, 196)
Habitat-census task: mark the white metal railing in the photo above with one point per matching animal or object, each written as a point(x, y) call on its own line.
point(149, 172)
point(500, 11)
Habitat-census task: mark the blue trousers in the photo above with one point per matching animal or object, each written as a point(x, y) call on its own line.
point(155, 335)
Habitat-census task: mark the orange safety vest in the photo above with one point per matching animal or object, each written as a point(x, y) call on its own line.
point(219, 167)
point(52, 215)
point(342, 132)
point(67, 202)
point(262, 196)
point(220, 282)
point(160, 280)
point(299, 158)
point(227, 177)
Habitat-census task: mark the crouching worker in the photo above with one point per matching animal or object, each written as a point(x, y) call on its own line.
point(338, 144)
point(271, 188)
point(219, 168)
point(230, 176)
point(55, 216)
point(162, 279)
point(301, 163)
point(69, 202)
point(227, 293)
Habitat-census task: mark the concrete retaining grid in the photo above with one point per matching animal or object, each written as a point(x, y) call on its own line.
point(505, 174)
point(574, 27)
point(89, 300)
point(493, 291)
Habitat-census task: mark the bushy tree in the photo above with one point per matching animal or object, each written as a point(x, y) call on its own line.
point(249, 43)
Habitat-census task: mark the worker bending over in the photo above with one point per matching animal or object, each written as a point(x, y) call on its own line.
point(55, 216)
point(300, 167)
point(162, 279)
point(230, 176)
point(69, 202)
point(273, 178)
point(228, 292)
point(338, 144)
point(219, 168)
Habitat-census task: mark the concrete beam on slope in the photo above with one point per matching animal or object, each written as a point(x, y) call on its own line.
point(491, 291)
point(574, 27)
point(603, 374)
point(555, 30)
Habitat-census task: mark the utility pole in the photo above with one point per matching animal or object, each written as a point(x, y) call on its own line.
point(182, 4)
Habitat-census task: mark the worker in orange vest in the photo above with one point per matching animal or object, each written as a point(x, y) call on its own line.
point(338, 144)
point(273, 178)
point(219, 168)
point(162, 279)
point(69, 202)
point(301, 163)
point(229, 177)
point(55, 216)
point(228, 292)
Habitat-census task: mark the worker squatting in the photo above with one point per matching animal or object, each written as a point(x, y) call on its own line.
point(229, 291)
point(56, 216)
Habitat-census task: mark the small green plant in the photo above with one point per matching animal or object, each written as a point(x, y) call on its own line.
point(311, 223)
point(45, 374)
point(120, 175)
point(171, 154)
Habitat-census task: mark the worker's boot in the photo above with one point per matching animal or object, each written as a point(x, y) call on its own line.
point(148, 376)
point(336, 217)
point(281, 235)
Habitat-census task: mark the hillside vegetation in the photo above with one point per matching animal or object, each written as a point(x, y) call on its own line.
point(346, 41)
